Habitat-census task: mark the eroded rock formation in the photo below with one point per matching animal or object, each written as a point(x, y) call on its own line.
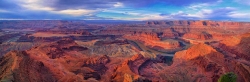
point(127, 53)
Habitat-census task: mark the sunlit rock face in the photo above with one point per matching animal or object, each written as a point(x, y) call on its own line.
point(210, 62)
point(198, 60)
point(238, 45)
point(152, 40)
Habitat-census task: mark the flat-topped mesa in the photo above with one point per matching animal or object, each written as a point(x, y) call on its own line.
point(198, 36)
point(53, 35)
point(168, 33)
point(66, 31)
point(143, 36)
point(199, 23)
point(171, 23)
point(152, 40)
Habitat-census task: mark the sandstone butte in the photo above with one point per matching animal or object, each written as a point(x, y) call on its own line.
point(63, 63)
point(152, 40)
point(210, 62)
point(238, 45)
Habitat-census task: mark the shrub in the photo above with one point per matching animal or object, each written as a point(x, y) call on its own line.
point(228, 77)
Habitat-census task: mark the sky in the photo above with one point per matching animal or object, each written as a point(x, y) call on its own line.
point(136, 10)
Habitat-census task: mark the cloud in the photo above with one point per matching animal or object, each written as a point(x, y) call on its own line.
point(97, 4)
point(144, 17)
point(76, 12)
point(41, 15)
point(1, 10)
point(188, 2)
point(204, 14)
point(240, 15)
point(124, 9)
point(118, 4)
point(246, 2)
point(39, 5)
point(200, 14)
point(40, 9)
point(198, 6)
point(7, 4)
point(36, 4)
point(84, 4)
point(222, 12)
point(132, 15)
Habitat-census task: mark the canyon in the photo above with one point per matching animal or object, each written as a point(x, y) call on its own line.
point(147, 51)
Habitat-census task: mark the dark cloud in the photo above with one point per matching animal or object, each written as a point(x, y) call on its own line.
point(164, 14)
point(186, 2)
point(222, 12)
point(8, 5)
point(87, 4)
point(29, 15)
point(94, 4)
point(11, 5)
point(40, 15)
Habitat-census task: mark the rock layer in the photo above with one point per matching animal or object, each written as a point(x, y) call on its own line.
point(126, 53)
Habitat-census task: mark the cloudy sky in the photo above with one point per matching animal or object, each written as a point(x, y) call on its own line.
point(236, 10)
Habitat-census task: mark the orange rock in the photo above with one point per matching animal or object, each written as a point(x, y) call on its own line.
point(198, 36)
point(196, 51)
point(152, 40)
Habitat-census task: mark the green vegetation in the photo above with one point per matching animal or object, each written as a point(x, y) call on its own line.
point(228, 77)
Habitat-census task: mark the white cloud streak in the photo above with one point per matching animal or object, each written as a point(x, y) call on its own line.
point(3, 11)
point(246, 2)
point(38, 5)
